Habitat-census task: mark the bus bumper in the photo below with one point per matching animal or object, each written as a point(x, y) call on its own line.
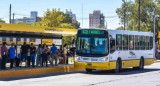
point(92, 65)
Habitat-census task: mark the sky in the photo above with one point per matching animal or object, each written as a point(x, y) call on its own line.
point(22, 8)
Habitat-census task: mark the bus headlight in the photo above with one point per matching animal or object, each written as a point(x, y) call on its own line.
point(77, 58)
point(104, 59)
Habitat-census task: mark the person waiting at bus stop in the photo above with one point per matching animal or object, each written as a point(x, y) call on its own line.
point(12, 52)
point(72, 52)
point(65, 53)
point(33, 54)
point(24, 50)
point(4, 55)
point(44, 55)
point(54, 54)
point(39, 55)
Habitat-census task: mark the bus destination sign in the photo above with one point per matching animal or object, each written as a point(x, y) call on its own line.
point(95, 32)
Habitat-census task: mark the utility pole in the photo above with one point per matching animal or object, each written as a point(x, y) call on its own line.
point(124, 14)
point(82, 15)
point(139, 16)
point(127, 16)
point(13, 18)
point(10, 14)
point(154, 33)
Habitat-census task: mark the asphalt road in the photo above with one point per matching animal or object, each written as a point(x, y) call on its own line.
point(150, 76)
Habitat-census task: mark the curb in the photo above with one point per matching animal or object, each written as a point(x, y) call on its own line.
point(37, 71)
point(156, 61)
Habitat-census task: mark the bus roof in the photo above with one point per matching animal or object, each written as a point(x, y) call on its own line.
point(122, 31)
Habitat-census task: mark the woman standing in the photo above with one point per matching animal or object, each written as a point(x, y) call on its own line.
point(45, 50)
point(39, 54)
point(12, 51)
point(65, 53)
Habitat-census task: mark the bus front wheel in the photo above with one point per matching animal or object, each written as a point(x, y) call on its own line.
point(118, 67)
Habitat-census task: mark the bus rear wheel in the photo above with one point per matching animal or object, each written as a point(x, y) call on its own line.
point(89, 70)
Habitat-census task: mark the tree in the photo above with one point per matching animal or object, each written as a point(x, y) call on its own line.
point(120, 28)
point(146, 20)
point(101, 26)
point(146, 15)
point(2, 21)
point(76, 25)
point(67, 19)
point(52, 18)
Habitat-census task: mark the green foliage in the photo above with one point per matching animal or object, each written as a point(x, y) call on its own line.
point(101, 26)
point(2, 21)
point(147, 7)
point(76, 25)
point(67, 40)
point(52, 18)
point(67, 19)
point(120, 28)
point(56, 18)
point(33, 24)
point(66, 25)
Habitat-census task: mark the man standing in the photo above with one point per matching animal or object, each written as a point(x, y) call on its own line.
point(33, 54)
point(24, 51)
point(54, 54)
point(72, 52)
point(4, 55)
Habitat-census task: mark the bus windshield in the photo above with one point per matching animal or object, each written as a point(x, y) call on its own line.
point(92, 45)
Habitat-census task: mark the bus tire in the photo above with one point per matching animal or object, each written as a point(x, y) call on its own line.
point(118, 66)
point(141, 65)
point(88, 70)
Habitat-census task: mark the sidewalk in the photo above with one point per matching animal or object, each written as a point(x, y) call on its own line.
point(155, 61)
point(21, 72)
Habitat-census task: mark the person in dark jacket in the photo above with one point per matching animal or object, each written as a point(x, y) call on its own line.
point(4, 55)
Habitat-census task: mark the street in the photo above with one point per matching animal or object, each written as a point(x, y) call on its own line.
point(150, 76)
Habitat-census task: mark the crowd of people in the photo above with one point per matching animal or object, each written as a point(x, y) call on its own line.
point(32, 57)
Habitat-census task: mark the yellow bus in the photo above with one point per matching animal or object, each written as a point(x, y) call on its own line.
point(113, 49)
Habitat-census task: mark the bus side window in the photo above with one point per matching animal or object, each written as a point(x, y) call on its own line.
point(136, 42)
point(112, 45)
point(151, 42)
point(147, 43)
point(119, 42)
point(125, 42)
point(131, 42)
point(142, 44)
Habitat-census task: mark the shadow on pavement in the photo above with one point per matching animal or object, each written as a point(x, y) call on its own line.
point(127, 71)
